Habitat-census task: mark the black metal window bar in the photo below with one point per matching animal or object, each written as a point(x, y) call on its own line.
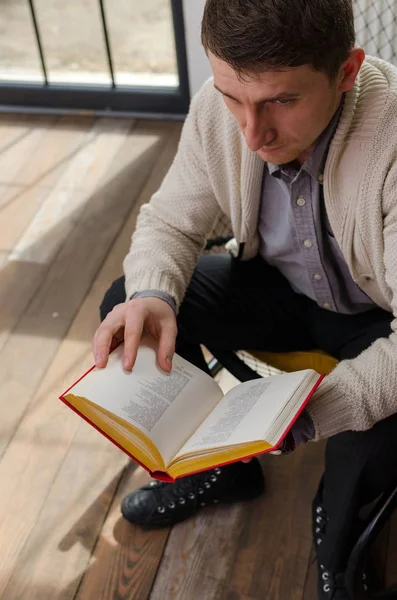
point(118, 99)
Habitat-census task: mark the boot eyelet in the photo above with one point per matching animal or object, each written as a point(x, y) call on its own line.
point(319, 510)
point(213, 478)
point(325, 576)
point(182, 501)
point(218, 471)
point(191, 496)
point(319, 520)
point(172, 505)
point(319, 541)
point(207, 485)
point(327, 588)
point(318, 529)
point(201, 491)
point(161, 510)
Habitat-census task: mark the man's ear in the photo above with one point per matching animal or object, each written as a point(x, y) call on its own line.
point(350, 69)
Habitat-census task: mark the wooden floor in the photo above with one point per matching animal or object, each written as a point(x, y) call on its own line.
point(70, 191)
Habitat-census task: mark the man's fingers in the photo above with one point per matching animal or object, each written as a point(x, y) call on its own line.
point(117, 339)
point(132, 337)
point(166, 350)
point(128, 320)
point(111, 326)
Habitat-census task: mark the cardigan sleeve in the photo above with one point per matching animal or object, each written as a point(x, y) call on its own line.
point(173, 227)
point(362, 391)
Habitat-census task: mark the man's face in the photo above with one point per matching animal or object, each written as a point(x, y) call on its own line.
point(281, 113)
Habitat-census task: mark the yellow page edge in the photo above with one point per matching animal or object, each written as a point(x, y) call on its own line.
point(188, 464)
point(90, 410)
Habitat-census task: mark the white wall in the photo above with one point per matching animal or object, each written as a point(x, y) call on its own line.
point(198, 65)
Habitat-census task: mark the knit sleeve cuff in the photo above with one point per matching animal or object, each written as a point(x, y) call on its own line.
point(329, 410)
point(153, 280)
point(157, 294)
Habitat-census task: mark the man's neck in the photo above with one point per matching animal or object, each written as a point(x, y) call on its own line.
point(300, 161)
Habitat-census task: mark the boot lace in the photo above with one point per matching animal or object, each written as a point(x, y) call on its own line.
point(193, 489)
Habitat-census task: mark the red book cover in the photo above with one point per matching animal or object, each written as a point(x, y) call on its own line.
point(163, 475)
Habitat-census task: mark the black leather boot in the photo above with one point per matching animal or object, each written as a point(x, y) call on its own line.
point(331, 584)
point(163, 504)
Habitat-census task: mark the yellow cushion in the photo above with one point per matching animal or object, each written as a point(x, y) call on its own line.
point(297, 361)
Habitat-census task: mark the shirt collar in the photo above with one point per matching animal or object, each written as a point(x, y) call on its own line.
point(315, 164)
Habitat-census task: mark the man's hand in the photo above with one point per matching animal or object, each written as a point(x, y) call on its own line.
point(127, 321)
point(286, 447)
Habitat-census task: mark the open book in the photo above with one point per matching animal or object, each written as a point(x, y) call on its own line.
point(181, 423)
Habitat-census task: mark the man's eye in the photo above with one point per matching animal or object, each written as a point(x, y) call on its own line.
point(284, 102)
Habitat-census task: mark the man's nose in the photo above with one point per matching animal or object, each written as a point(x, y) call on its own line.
point(258, 132)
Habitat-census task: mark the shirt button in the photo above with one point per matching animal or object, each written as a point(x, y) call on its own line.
point(327, 306)
point(308, 244)
point(317, 277)
point(301, 201)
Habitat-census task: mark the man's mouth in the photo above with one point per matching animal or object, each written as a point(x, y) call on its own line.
point(270, 148)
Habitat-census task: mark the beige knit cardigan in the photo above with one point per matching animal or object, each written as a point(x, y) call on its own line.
point(214, 174)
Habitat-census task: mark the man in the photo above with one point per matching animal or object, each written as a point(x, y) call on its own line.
point(294, 140)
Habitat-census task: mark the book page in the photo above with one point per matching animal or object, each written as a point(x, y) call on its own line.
point(246, 413)
point(166, 407)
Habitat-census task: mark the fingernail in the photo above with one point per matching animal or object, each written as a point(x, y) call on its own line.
point(169, 359)
point(127, 364)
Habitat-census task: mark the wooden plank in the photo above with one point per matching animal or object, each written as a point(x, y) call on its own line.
point(230, 595)
point(64, 139)
point(61, 468)
point(15, 128)
point(25, 142)
point(273, 552)
point(261, 549)
point(28, 263)
point(128, 570)
point(36, 339)
point(30, 258)
point(127, 558)
point(86, 172)
point(20, 279)
point(12, 126)
point(3, 257)
point(65, 284)
point(199, 557)
point(310, 588)
point(39, 174)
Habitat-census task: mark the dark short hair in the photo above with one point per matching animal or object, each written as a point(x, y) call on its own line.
point(261, 35)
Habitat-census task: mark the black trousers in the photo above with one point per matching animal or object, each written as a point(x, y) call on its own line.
point(238, 305)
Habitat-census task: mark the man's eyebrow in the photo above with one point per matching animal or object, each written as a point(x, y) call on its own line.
point(283, 96)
